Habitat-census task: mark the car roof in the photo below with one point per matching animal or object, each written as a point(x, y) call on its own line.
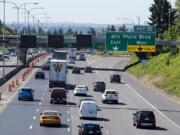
point(89, 122)
point(26, 88)
point(81, 85)
point(50, 111)
point(110, 90)
point(88, 101)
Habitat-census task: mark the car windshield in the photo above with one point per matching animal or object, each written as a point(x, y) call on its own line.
point(147, 115)
point(26, 90)
point(110, 92)
point(51, 113)
point(92, 127)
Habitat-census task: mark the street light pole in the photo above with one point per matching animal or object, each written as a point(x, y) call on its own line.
point(29, 11)
point(4, 21)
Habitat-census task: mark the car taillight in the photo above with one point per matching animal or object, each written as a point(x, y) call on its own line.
point(44, 117)
point(57, 118)
point(81, 131)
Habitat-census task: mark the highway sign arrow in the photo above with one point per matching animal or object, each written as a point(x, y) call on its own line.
point(115, 48)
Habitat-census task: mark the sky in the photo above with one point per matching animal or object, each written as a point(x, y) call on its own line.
point(86, 11)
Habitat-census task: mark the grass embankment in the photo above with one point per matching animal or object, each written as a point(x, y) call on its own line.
point(160, 72)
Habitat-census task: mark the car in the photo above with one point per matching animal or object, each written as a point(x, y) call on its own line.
point(26, 93)
point(58, 95)
point(46, 66)
point(80, 90)
point(13, 54)
point(50, 117)
point(115, 78)
point(39, 75)
point(76, 70)
point(99, 86)
point(82, 58)
point(89, 128)
point(71, 61)
point(110, 96)
point(88, 110)
point(6, 56)
point(88, 69)
point(144, 118)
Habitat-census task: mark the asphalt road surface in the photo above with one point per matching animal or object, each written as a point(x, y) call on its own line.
point(21, 117)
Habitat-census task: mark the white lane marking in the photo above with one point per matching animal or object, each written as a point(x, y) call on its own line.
point(40, 103)
point(153, 106)
point(31, 126)
point(68, 112)
point(34, 118)
point(37, 110)
point(68, 129)
point(21, 86)
point(68, 120)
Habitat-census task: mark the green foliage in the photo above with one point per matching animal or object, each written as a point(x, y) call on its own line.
point(177, 4)
point(111, 28)
point(123, 28)
point(92, 31)
point(161, 15)
point(165, 66)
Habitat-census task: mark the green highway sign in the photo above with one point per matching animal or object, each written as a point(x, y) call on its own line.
point(119, 41)
point(143, 28)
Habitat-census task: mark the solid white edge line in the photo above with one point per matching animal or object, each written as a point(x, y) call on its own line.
point(153, 106)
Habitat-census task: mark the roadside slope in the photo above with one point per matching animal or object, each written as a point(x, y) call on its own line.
point(162, 71)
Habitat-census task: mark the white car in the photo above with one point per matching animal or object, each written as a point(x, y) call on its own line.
point(110, 96)
point(80, 90)
point(71, 61)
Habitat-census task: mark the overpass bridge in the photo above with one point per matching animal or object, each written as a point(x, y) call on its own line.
point(70, 41)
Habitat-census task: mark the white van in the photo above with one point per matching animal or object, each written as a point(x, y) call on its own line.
point(88, 109)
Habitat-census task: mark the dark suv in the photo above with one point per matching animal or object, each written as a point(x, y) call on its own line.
point(99, 86)
point(115, 78)
point(89, 128)
point(39, 75)
point(88, 69)
point(144, 118)
point(76, 70)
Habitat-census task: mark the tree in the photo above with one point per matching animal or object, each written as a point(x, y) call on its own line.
point(123, 28)
point(60, 31)
point(177, 4)
point(69, 32)
point(111, 28)
point(92, 31)
point(162, 15)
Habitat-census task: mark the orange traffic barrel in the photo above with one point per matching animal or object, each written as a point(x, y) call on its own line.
point(9, 87)
point(13, 84)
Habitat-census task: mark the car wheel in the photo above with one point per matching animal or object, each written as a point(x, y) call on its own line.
point(116, 102)
point(134, 123)
point(41, 124)
point(137, 125)
point(19, 99)
point(154, 126)
point(103, 101)
point(51, 102)
point(31, 99)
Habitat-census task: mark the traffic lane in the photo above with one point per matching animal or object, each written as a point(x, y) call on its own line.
point(161, 101)
point(20, 111)
point(44, 104)
point(131, 108)
point(10, 61)
point(110, 62)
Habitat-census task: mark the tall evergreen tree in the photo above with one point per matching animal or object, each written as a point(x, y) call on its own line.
point(123, 28)
point(92, 31)
point(162, 15)
point(60, 31)
point(178, 10)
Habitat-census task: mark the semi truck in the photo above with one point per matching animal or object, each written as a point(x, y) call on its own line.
point(57, 73)
point(59, 54)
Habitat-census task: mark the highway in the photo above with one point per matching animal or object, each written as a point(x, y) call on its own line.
point(21, 117)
